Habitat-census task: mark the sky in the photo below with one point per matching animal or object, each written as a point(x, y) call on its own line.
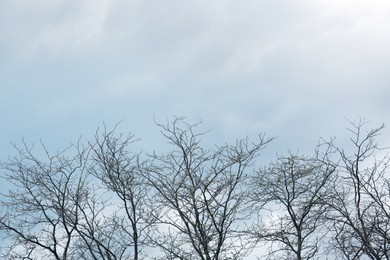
point(295, 69)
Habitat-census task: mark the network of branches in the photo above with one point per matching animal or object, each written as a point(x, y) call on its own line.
point(104, 199)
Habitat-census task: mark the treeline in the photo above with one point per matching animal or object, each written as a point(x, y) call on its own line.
point(103, 200)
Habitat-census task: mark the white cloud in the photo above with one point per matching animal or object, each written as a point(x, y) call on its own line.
point(51, 26)
point(241, 65)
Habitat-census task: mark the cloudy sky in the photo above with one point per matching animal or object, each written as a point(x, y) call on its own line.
point(292, 68)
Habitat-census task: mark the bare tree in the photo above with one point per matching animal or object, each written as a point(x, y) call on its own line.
point(202, 194)
point(361, 197)
point(294, 189)
point(52, 211)
point(105, 201)
point(119, 170)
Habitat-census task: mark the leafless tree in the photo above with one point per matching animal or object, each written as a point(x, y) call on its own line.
point(119, 170)
point(52, 211)
point(106, 201)
point(294, 189)
point(361, 197)
point(202, 194)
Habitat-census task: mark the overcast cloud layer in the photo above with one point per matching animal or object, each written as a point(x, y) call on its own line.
point(294, 69)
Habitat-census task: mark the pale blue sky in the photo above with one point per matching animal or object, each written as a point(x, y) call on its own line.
point(294, 69)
